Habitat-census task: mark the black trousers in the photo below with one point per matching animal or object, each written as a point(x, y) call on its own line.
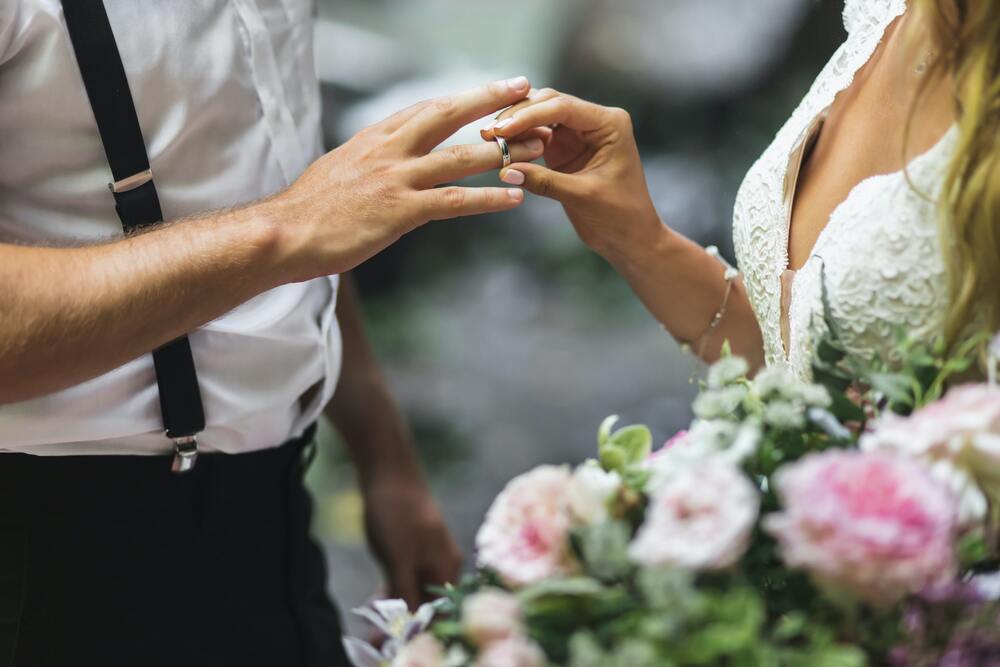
point(114, 561)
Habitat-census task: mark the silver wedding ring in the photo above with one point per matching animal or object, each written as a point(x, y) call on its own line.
point(504, 151)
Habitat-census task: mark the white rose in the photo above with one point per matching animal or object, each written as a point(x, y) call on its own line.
point(716, 440)
point(513, 652)
point(701, 519)
point(423, 651)
point(590, 491)
point(491, 615)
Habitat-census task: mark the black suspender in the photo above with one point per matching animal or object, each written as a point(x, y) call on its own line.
point(136, 203)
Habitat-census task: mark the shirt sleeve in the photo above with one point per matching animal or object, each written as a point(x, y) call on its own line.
point(10, 17)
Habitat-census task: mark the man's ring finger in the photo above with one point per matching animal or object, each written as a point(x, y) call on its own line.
point(504, 151)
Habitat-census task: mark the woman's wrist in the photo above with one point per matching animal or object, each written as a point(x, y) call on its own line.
point(643, 246)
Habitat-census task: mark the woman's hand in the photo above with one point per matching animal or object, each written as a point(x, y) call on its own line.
point(592, 168)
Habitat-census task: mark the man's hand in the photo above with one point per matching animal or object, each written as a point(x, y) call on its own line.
point(361, 197)
point(409, 537)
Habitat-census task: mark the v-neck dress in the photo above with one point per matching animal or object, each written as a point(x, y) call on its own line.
point(880, 254)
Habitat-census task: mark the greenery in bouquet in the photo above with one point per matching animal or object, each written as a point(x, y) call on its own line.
point(843, 522)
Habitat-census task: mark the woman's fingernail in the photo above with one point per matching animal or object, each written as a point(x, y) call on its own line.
point(488, 127)
point(500, 124)
point(512, 177)
point(518, 83)
point(515, 194)
point(534, 145)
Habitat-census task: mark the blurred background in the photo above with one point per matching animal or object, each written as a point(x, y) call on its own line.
point(504, 340)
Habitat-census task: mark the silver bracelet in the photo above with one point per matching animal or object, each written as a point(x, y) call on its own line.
point(730, 274)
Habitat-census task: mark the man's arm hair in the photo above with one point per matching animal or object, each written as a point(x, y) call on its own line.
point(70, 314)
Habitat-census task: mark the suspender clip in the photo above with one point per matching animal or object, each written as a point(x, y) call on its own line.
point(185, 454)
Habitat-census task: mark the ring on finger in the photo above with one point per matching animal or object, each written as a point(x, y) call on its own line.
point(504, 151)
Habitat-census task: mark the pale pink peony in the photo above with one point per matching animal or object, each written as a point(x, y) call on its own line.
point(491, 615)
point(423, 651)
point(525, 537)
point(513, 652)
point(873, 525)
point(699, 519)
point(959, 436)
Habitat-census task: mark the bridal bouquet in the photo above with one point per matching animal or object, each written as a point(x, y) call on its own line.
point(847, 522)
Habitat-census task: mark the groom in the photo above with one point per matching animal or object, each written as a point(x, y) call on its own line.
point(152, 510)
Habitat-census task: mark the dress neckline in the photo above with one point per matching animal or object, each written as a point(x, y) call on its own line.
point(793, 170)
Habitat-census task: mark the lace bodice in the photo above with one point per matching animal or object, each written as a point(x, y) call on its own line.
point(879, 255)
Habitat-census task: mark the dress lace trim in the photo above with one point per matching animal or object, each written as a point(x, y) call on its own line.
point(879, 254)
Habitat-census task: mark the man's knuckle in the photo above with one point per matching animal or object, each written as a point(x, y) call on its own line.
point(444, 106)
point(462, 156)
point(454, 198)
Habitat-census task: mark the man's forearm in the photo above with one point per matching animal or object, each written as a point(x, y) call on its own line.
point(70, 314)
point(362, 408)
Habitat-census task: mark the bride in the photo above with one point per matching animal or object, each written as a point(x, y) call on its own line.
point(883, 188)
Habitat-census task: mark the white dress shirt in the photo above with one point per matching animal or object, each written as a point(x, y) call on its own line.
point(228, 101)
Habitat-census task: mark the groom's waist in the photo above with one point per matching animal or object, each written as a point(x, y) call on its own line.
point(125, 492)
point(264, 372)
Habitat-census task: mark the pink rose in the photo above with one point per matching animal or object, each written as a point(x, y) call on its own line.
point(490, 616)
point(700, 518)
point(958, 435)
point(968, 415)
point(423, 651)
point(525, 537)
point(513, 652)
point(874, 525)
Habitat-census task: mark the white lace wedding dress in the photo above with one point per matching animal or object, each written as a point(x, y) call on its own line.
point(880, 253)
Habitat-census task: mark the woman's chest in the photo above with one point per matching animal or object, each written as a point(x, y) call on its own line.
point(873, 233)
point(873, 127)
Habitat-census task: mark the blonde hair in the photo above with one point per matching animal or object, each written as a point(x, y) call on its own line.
point(967, 35)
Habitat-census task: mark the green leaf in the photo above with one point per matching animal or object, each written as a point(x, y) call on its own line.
point(829, 353)
point(612, 458)
point(838, 656)
point(604, 431)
point(636, 442)
point(832, 378)
point(894, 386)
point(636, 478)
point(844, 409)
point(604, 547)
point(571, 587)
point(586, 651)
